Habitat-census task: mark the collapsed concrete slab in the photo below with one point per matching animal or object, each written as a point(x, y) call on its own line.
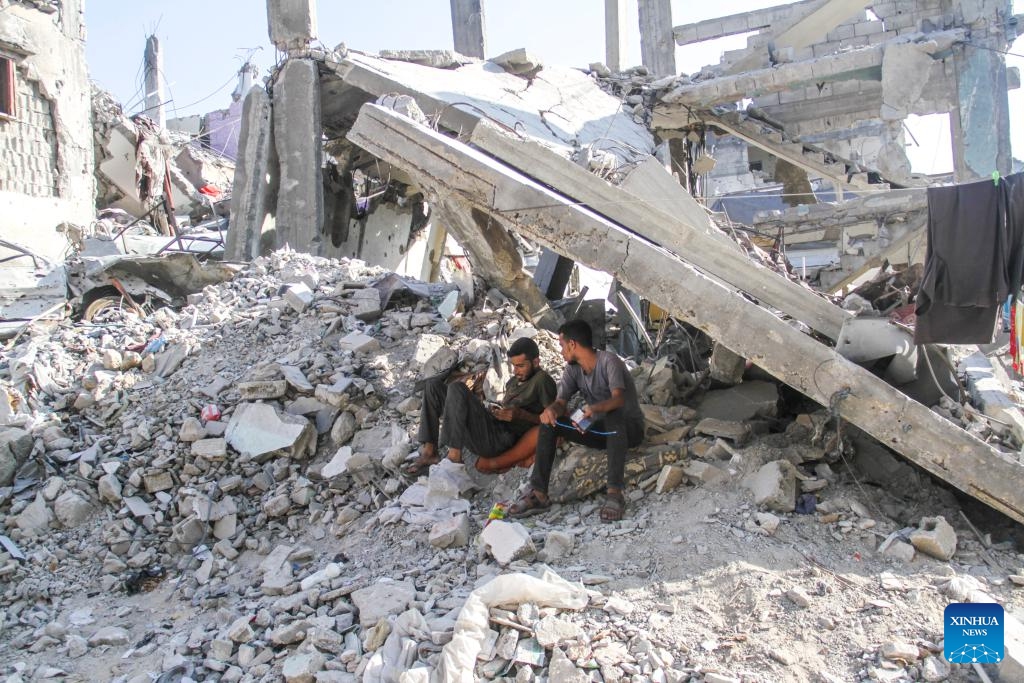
point(448, 167)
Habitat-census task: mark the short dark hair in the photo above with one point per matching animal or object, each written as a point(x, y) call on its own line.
point(578, 331)
point(524, 346)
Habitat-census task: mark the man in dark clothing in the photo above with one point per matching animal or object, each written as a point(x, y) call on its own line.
point(610, 419)
point(453, 416)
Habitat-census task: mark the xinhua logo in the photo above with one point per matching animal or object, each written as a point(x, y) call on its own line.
point(973, 633)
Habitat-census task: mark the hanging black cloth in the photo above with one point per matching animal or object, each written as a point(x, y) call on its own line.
point(971, 253)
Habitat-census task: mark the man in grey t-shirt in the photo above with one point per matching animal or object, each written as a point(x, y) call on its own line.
point(611, 418)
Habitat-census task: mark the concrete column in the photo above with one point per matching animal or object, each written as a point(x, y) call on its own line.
point(468, 27)
point(254, 193)
point(297, 138)
point(292, 23)
point(657, 44)
point(615, 36)
point(154, 70)
point(980, 124)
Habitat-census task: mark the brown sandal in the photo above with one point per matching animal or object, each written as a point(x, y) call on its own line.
point(614, 507)
point(419, 466)
point(530, 504)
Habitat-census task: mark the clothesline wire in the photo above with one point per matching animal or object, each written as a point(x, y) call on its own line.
point(990, 49)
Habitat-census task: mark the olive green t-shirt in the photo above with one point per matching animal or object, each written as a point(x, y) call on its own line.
point(533, 396)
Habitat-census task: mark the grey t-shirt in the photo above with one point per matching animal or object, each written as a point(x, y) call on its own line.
point(609, 373)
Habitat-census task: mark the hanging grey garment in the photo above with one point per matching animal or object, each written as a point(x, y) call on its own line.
point(966, 273)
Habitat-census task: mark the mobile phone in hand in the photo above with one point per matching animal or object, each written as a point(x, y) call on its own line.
point(581, 421)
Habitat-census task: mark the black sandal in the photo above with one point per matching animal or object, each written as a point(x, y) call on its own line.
point(528, 505)
point(614, 508)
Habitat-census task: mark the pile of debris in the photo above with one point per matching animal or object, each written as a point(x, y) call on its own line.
point(241, 454)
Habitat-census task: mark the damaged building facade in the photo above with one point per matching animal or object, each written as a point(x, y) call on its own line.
point(46, 159)
point(509, 147)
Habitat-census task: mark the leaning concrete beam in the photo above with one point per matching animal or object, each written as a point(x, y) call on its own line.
point(253, 193)
point(297, 137)
point(802, 32)
point(733, 24)
point(448, 167)
point(851, 212)
point(689, 234)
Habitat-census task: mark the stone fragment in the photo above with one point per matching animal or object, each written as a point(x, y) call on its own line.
point(774, 486)
point(109, 488)
point(767, 522)
point(557, 545)
point(450, 533)
point(737, 432)
point(799, 597)
point(344, 428)
point(552, 631)
point(210, 449)
point(72, 509)
point(35, 518)
point(700, 472)
point(302, 667)
point(507, 541)
point(296, 379)
point(337, 465)
point(726, 367)
point(935, 537)
point(450, 306)
point(277, 505)
point(745, 401)
point(258, 431)
point(260, 390)
point(158, 481)
point(381, 599)
point(292, 632)
point(619, 605)
point(191, 430)
point(900, 651)
point(357, 342)
point(934, 669)
point(894, 547)
point(669, 478)
point(365, 304)
point(188, 531)
point(15, 446)
point(109, 635)
point(138, 507)
point(562, 670)
point(299, 296)
point(77, 646)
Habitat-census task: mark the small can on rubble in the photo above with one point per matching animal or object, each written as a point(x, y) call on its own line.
point(497, 512)
point(210, 413)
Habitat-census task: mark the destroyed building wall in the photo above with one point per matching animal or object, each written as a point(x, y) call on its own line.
point(46, 152)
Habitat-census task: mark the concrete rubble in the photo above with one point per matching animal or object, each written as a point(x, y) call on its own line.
point(238, 456)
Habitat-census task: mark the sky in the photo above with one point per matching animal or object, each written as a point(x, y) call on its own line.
point(205, 43)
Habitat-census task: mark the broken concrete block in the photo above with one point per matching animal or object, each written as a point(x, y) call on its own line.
point(299, 296)
point(109, 635)
point(744, 401)
point(34, 519)
point(726, 367)
point(262, 389)
point(344, 428)
point(552, 631)
point(935, 537)
point(302, 667)
point(257, 430)
point(334, 394)
point(338, 465)
point(433, 355)
point(210, 449)
point(518, 62)
point(240, 631)
point(557, 545)
point(158, 481)
point(72, 509)
point(15, 446)
point(365, 304)
point(109, 488)
point(450, 306)
point(189, 531)
point(774, 486)
point(737, 432)
point(191, 430)
point(450, 533)
point(507, 541)
point(669, 478)
point(894, 547)
point(277, 505)
point(357, 342)
point(900, 651)
point(384, 598)
point(704, 472)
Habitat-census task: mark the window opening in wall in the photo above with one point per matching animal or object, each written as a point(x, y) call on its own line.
point(6, 86)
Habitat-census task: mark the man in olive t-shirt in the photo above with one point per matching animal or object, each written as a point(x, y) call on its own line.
point(453, 416)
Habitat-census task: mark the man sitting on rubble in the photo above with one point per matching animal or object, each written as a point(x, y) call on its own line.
point(500, 432)
point(611, 419)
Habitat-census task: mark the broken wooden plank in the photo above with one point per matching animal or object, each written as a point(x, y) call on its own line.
point(449, 168)
point(689, 235)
